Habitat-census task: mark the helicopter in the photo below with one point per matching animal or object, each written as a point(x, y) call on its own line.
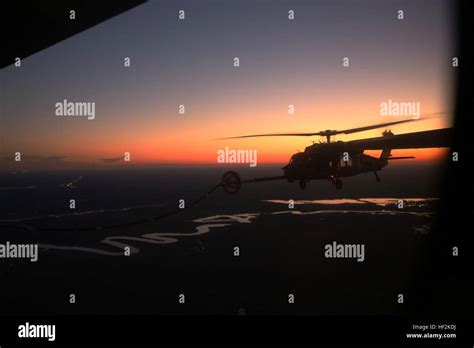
point(341, 159)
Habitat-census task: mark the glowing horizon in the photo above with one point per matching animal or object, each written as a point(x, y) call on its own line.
point(137, 107)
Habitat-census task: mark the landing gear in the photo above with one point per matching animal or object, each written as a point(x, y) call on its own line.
point(302, 184)
point(337, 182)
point(376, 176)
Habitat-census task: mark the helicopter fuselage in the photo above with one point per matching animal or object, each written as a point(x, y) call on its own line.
point(317, 165)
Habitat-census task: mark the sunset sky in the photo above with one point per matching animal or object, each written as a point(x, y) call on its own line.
point(190, 62)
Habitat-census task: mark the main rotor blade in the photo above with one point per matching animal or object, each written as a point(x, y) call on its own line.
point(272, 135)
point(333, 132)
point(419, 140)
point(361, 129)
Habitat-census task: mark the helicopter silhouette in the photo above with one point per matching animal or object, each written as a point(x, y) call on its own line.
point(335, 160)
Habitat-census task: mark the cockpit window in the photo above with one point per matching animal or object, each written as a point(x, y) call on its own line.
point(347, 163)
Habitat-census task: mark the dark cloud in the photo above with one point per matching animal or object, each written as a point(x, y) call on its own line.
point(37, 158)
point(111, 160)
